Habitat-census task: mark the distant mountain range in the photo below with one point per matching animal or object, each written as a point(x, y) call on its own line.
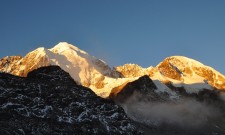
point(178, 71)
point(179, 96)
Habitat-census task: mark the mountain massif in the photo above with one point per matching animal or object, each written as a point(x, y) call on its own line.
point(69, 91)
point(94, 73)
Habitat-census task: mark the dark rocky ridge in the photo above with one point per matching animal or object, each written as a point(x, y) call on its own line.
point(191, 114)
point(48, 101)
point(143, 88)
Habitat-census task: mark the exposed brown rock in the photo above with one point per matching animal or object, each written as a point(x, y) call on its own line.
point(131, 70)
point(214, 79)
point(168, 70)
point(7, 62)
point(99, 82)
point(19, 66)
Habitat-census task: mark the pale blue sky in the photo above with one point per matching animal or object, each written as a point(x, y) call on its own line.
point(118, 31)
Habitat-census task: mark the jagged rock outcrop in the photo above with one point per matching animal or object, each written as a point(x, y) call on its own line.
point(133, 70)
point(48, 101)
point(6, 63)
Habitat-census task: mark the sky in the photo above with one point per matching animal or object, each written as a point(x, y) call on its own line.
point(143, 32)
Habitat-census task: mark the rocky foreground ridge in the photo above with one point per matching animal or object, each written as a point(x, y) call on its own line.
point(48, 101)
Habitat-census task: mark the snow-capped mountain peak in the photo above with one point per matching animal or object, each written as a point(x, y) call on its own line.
point(189, 71)
point(83, 68)
point(62, 46)
point(184, 60)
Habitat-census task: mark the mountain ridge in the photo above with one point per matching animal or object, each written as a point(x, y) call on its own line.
point(94, 73)
point(172, 70)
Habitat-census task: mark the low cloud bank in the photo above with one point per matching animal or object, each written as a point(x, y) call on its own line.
point(183, 113)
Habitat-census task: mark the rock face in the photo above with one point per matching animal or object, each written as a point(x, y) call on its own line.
point(6, 63)
point(143, 86)
point(169, 70)
point(48, 101)
point(132, 70)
